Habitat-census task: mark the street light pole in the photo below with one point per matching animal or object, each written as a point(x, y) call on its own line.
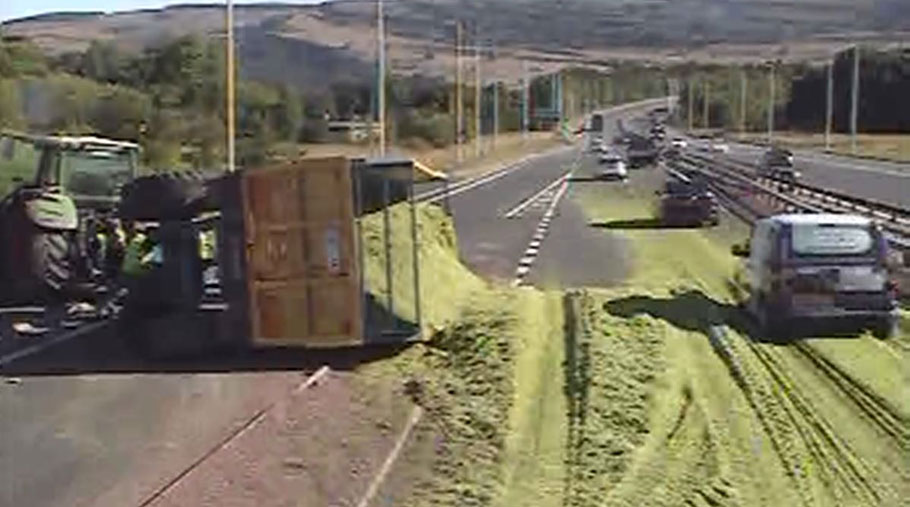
point(771, 84)
point(229, 87)
point(829, 105)
point(691, 104)
point(854, 106)
point(495, 112)
point(478, 99)
point(459, 99)
point(706, 106)
point(525, 92)
point(380, 34)
point(743, 86)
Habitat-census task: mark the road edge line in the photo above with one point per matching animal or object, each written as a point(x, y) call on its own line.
point(250, 423)
point(39, 347)
point(416, 415)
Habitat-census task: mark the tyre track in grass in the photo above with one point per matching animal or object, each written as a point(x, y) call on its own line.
point(877, 410)
point(804, 439)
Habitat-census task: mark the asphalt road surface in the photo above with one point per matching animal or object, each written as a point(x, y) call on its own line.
point(887, 182)
point(84, 422)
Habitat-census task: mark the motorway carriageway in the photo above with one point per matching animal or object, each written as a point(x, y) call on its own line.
point(887, 182)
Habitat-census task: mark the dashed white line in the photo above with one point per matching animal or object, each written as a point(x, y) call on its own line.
point(524, 265)
point(521, 206)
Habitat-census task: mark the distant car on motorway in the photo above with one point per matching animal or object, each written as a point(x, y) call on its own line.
point(820, 266)
point(687, 203)
point(679, 143)
point(777, 163)
point(613, 167)
point(596, 123)
point(671, 153)
point(720, 147)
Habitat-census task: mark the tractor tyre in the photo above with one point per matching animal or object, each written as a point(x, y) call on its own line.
point(50, 262)
point(164, 196)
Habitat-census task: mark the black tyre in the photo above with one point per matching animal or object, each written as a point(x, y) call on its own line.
point(50, 262)
point(775, 328)
point(164, 196)
point(885, 328)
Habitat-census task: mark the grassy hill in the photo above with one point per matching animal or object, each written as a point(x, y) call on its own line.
point(317, 44)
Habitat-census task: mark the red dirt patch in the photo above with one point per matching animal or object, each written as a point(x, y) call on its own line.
point(321, 446)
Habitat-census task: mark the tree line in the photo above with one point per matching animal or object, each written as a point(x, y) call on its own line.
point(171, 99)
point(801, 94)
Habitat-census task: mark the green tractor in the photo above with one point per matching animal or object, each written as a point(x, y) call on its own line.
point(56, 195)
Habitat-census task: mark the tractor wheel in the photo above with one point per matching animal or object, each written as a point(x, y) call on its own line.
point(50, 262)
point(164, 196)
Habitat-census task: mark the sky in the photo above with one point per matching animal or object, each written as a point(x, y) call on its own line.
point(11, 9)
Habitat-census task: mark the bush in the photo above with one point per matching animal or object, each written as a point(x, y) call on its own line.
point(435, 128)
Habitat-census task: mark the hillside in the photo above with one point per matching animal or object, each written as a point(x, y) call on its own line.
point(317, 44)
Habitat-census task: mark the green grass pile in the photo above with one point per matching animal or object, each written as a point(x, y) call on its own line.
point(445, 283)
point(611, 366)
point(463, 378)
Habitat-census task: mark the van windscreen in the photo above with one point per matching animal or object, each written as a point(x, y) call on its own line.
point(831, 239)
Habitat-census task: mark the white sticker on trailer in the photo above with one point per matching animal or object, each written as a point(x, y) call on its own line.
point(333, 250)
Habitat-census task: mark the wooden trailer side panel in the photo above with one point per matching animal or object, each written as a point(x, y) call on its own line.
point(301, 249)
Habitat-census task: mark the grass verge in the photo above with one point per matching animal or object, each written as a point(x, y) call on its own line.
point(757, 425)
point(489, 376)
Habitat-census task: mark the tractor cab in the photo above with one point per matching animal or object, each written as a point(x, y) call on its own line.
point(55, 192)
point(90, 170)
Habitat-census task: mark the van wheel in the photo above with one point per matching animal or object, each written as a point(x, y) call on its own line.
point(886, 328)
point(774, 328)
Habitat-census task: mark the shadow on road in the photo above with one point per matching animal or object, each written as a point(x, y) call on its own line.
point(586, 179)
point(103, 352)
point(638, 224)
point(693, 310)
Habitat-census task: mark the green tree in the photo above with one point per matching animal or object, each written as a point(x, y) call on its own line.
point(288, 114)
point(10, 105)
point(20, 57)
point(103, 62)
point(162, 140)
point(119, 112)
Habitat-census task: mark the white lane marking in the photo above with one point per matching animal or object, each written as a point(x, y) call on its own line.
point(38, 347)
point(377, 481)
point(521, 206)
point(438, 194)
point(533, 250)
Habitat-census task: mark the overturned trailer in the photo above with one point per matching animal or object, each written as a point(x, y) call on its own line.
point(290, 268)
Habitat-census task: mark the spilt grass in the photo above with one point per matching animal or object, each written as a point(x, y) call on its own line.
point(445, 283)
point(489, 375)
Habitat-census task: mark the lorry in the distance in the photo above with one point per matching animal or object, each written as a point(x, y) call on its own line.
point(597, 123)
point(641, 151)
point(805, 268)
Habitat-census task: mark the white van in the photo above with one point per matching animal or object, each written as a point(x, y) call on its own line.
point(819, 266)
